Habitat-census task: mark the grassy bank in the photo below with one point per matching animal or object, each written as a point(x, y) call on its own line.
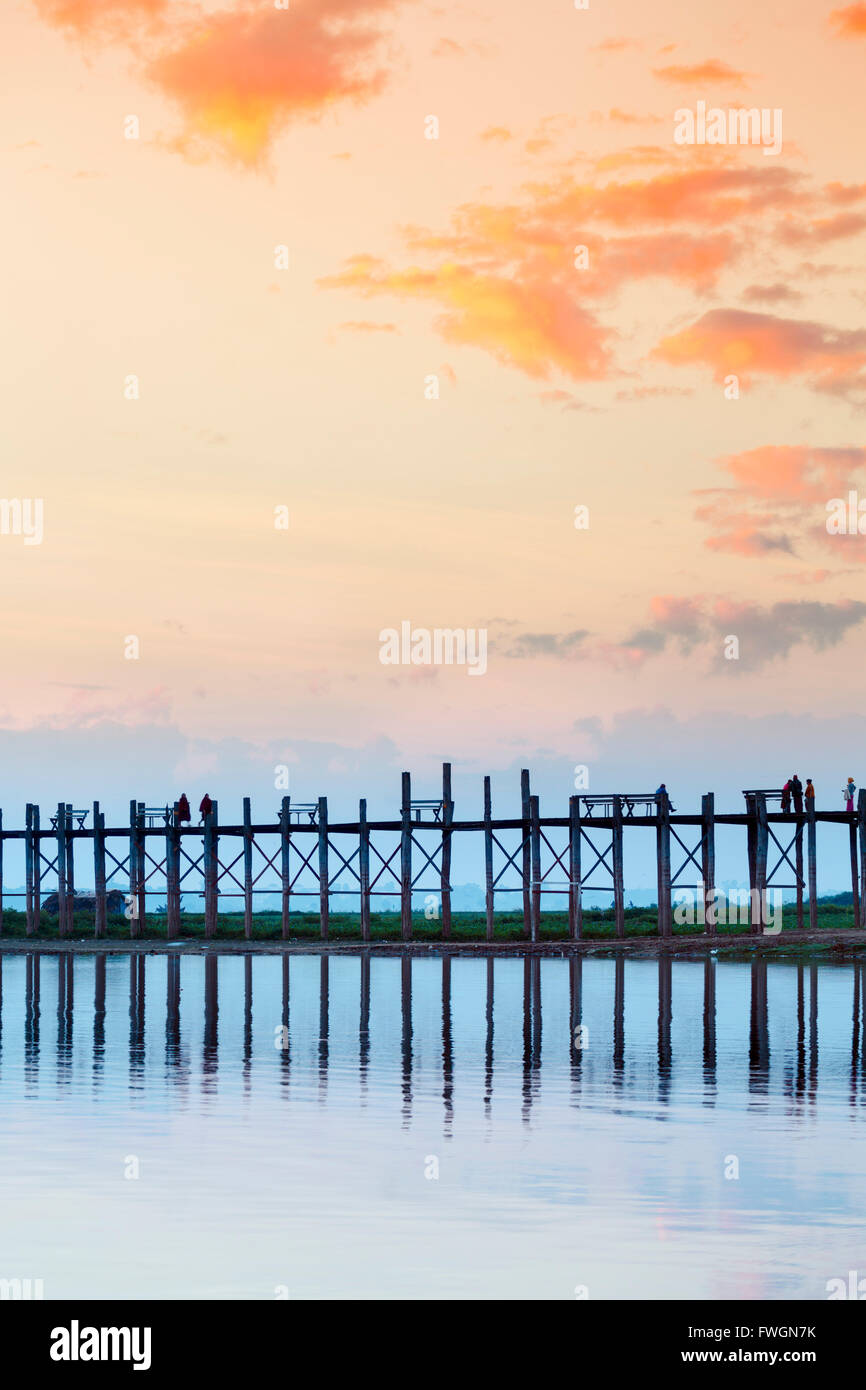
point(598, 924)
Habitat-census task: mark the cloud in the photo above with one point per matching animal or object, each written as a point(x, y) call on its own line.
point(241, 76)
point(712, 70)
point(778, 492)
point(849, 23)
point(752, 344)
point(528, 644)
point(776, 293)
point(528, 325)
point(368, 326)
point(496, 132)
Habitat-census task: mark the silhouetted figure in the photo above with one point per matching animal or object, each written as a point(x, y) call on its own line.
point(797, 793)
point(183, 811)
point(848, 793)
point(662, 791)
point(786, 797)
point(810, 793)
point(206, 807)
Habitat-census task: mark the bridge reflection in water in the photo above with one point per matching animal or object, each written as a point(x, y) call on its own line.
point(210, 1027)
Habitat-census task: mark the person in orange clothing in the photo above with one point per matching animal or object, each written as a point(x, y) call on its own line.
point(810, 794)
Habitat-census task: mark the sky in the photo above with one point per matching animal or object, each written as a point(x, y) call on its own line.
point(319, 263)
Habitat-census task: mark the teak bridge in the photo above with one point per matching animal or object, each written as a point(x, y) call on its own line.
point(307, 856)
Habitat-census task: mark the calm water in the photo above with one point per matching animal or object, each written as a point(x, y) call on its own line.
point(287, 1118)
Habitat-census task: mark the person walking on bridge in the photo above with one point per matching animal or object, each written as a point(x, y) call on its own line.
point(848, 794)
point(205, 808)
point(797, 793)
point(786, 797)
point(810, 794)
point(183, 811)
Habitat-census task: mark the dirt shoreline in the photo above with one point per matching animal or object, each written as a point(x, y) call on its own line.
point(846, 944)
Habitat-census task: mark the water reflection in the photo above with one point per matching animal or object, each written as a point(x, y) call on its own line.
point(618, 1047)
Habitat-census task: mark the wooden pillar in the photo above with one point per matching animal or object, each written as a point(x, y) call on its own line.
point(70, 872)
point(285, 865)
point(445, 857)
point(324, 901)
point(364, 868)
point(28, 869)
point(132, 906)
point(663, 841)
point(211, 870)
point(861, 831)
point(61, 868)
point(406, 859)
point(100, 908)
point(137, 924)
point(798, 864)
point(37, 867)
point(708, 861)
point(762, 843)
point(172, 876)
point(488, 858)
point(575, 904)
point(855, 871)
point(535, 850)
point(527, 863)
point(618, 887)
point(812, 848)
point(248, 869)
point(752, 845)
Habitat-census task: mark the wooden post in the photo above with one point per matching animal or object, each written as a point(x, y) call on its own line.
point(364, 868)
point(28, 868)
point(211, 870)
point(798, 862)
point(172, 876)
point(137, 925)
point(445, 857)
point(812, 847)
point(762, 842)
point(248, 869)
point(285, 864)
point(70, 872)
point(37, 868)
point(618, 887)
point(855, 871)
point(527, 863)
point(132, 905)
point(406, 859)
point(663, 838)
point(752, 848)
point(708, 861)
point(535, 848)
point(324, 902)
point(61, 868)
point(575, 904)
point(99, 900)
point(488, 858)
point(861, 830)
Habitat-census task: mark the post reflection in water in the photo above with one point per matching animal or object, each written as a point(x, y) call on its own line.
point(783, 1041)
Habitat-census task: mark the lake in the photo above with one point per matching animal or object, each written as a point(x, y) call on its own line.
point(260, 1126)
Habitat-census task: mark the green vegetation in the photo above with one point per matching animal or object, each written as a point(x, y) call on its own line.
point(598, 924)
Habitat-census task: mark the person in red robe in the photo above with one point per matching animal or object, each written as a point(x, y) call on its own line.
point(183, 811)
point(206, 806)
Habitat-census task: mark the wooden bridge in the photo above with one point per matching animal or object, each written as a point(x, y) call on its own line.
point(298, 857)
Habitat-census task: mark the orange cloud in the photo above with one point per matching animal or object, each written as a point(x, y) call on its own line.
point(711, 70)
point(850, 23)
point(747, 344)
point(241, 75)
point(103, 18)
point(528, 324)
